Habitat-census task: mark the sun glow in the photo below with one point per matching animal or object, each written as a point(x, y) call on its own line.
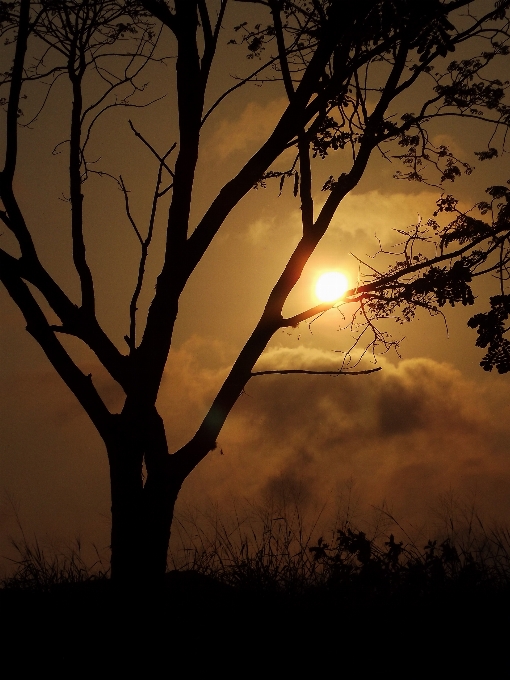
point(331, 286)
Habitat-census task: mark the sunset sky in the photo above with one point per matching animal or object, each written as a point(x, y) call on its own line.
point(430, 423)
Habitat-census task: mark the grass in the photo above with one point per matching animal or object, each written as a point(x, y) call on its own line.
point(274, 550)
point(270, 578)
point(39, 569)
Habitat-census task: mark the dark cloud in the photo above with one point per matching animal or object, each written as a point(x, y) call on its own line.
point(401, 409)
point(405, 435)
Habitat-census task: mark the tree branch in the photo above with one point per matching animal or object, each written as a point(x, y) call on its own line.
point(29, 266)
point(11, 152)
point(282, 52)
point(237, 86)
point(210, 38)
point(154, 152)
point(299, 371)
point(161, 11)
point(305, 184)
point(37, 325)
point(75, 183)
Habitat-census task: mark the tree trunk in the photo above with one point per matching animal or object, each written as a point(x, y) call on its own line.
point(159, 496)
point(142, 513)
point(126, 487)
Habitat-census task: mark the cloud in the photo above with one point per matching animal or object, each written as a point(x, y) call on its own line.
point(285, 358)
point(444, 139)
point(405, 435)
point(361, 221)
point(379, 213)
point(259, 231)
point(253, 125)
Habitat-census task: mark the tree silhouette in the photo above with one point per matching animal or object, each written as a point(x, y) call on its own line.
point(346, 70)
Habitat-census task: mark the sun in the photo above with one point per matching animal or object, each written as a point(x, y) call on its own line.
point(331, 286)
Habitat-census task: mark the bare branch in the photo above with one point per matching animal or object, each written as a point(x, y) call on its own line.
point(282, 53)
point(237, 86)
point(161, 11)
point(37, 325)
point(11, 152)
point(299, 371)
point(305, 185)
point(128, 209)
point(154, 152)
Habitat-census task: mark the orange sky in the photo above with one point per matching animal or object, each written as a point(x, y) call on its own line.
point(429, 422)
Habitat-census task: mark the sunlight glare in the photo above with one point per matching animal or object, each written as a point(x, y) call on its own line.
point(331, 286)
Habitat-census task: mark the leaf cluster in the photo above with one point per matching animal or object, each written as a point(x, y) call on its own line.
point(491, 330)
point(443, 284)
point(423, 22)
point(358, 563)
point(331, 137)
point(465, 249)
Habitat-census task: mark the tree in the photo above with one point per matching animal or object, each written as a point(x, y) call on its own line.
point(347, 70)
